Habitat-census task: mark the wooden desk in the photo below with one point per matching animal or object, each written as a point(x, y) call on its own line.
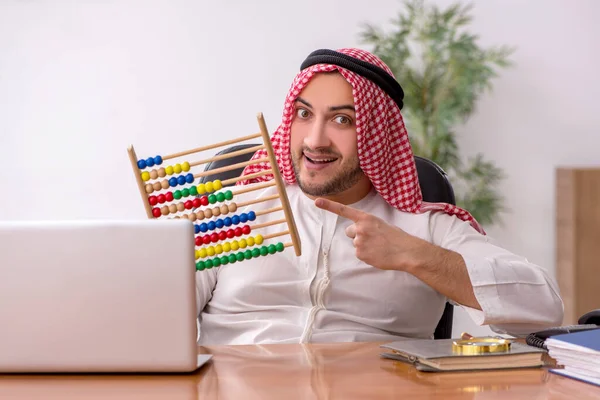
point(315, 371)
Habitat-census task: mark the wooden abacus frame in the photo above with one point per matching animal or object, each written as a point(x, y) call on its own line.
point(204, 194)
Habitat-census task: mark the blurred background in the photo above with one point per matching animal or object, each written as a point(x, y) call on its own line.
point(511, 89)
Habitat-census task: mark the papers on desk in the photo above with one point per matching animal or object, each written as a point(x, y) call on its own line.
point(578, 353)
point(437, 355)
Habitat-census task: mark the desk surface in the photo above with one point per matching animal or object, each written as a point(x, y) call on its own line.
point(313, 371)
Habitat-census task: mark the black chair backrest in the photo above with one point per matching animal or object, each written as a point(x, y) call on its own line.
point(435, 187)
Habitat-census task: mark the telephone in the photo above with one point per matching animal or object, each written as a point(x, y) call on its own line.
point(588, 321)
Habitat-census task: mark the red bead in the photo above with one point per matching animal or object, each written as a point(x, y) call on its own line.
point(238, 231)
point(198, 240)
point(152, 200)
point(156, 212)
point(161, 198)
point(206, 239)
point(169, 196)
point(204, 200)
point(214, 237)
point(246, 229)
point(188, 205)
point(230, 233)
point(197, 203)
point(222, 235)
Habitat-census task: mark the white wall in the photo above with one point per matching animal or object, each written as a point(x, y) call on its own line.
point(81, 80)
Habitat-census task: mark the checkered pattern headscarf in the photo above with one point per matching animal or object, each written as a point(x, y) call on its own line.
point(384, 150)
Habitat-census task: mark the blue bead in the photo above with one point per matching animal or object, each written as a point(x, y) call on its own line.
point(211, 225)
point(158, 160)
point(251, 216)
point(227, 221)
point(203, 227)
point(243, 218)
point(150, 161)
point(173, 182)
point(142, 164)
point(219, 223)
point(181, 180)
point(235, 219)
point(189, 178)
point(196, 229)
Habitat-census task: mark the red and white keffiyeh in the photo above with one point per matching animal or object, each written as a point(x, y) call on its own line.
point(384, 149)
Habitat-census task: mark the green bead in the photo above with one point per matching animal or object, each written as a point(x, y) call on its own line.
point(228, 195)
point(200, 265)
point(272, 249)
point(194, 190)
point(177, 194)
point(220, 197)
point(232, 258)
point(255, 253)
point(248, 254)
point(240, 256)
point(212, 199)
point(185, 192)
point(279, 247)
point(264, 251)
point(224, 260)
point(216, 262)
point(208, 263)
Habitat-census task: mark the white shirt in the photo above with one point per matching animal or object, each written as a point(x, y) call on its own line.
point(328, 295)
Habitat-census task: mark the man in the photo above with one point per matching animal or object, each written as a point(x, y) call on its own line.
point(377, 262)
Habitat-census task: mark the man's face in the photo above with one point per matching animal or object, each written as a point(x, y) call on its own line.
point(323, 140)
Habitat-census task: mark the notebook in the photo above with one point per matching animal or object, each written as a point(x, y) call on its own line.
point(578, 353)
point(437, 355)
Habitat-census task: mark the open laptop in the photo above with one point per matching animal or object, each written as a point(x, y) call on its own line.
point(98, 296)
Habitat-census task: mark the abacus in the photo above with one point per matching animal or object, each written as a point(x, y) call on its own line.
point(214, 249)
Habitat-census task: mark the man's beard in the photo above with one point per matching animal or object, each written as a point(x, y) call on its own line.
point(349, 175)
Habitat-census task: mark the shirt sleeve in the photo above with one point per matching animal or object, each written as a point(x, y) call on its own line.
point(517, 297)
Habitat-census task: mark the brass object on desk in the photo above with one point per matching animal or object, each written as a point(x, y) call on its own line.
point(469, 345)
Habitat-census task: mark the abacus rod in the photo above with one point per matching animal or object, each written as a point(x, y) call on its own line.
point(267, 211)
point(265, 224)
point(230, 167)
point(228, 155)
point(244, 177)
point(138, 179)
point(212, 146)
point(249, 202)
point(253, 188)
point(274, 235)
point(281, 189)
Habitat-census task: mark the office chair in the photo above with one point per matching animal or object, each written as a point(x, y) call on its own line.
point(435, 187)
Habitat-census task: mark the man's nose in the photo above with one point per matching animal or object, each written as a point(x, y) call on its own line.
point(317, 136)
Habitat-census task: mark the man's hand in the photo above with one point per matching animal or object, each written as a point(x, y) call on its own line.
point(378, 243)
point(385, 246)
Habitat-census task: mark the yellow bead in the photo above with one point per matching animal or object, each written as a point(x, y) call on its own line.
point(185, 166)
point(259, 239)
point(145, 176)
point(250, 241)
point(218, 249)
point(202, 252)
point(209, 187)
point(201, 188)
point(169, 170)
point(217, 185)
point(210, 251)
point(235, 245)
point(226, 246)
point(243, 243)
point(177, 168)
point(197, 254)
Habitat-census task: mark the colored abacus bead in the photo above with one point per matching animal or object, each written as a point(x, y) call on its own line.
point(217, 185)
point(145, 176)
point(238, 231)
point(193, 191)
point(255, 252)
point(227, 221)
point(158, 160)
point(209, 187)
point(189, 178)
point(212, 225)
point(177, 194)
point(177, 168)
point(220, 197)
point(246, 229)
point(251, 216)
point(228, 195)
point(196, 202)
point(156, 212)
point(264, 251)
point(214, 237)
point(279, 247)
point(235, 219)
point(219, 223)
point(196, 229)
point(272, 249)
point(243, 218)
point(212, 199)
point(204, 201)
point(173, 182)
point(185, 166)
point(150, 162)
point(153, 200)
point(141, 164)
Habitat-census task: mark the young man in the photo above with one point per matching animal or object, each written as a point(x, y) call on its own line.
point(377, 262)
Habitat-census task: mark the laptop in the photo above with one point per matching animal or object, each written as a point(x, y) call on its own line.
point(98, 296)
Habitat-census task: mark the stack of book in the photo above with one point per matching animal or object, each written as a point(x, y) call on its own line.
point(578, 353)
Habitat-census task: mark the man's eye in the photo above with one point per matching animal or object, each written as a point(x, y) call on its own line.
point(342, 120)
point(302, 113)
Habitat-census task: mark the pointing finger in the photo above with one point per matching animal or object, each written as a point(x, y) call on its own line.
point(339, 209)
